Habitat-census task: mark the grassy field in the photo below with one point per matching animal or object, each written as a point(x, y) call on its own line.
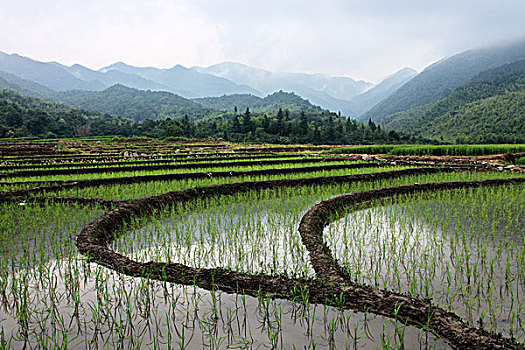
point(325, 252)
point(430, 150)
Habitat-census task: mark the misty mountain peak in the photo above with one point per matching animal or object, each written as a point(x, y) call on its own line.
point(116, 65)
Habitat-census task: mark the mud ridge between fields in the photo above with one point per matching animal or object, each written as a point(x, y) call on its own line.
point(62, 185)
point(413, 311)
point(115, 169)
point(331, 289)
point(130, 154)
point(167, 160)
point(104, 203)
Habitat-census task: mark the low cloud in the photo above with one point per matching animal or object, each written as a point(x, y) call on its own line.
point(362, 39)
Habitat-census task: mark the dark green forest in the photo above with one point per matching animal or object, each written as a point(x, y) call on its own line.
point(22, 116)
point(440, 79)
point(268, 104)
point(134, 104)
point(489, 109)
point(27, 116)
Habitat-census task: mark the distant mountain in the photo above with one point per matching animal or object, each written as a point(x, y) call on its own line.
point(328, 92)
point(186, 82)
point(134, 104)
point(440, 79)
point(265, 81)
point(25, 87)
point(114, 76)
point(324, 100)
point(490, 108)
point(139, 105)
point(50, 74)
point(363, 102)
point(269, 104)
point(334, 93)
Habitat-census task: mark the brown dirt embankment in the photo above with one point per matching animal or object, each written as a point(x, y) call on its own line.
point(337, 291)
point(199, 165)
point(410, 310)
point(55, 186)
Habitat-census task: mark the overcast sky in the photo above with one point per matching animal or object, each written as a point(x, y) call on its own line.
point(363, 39)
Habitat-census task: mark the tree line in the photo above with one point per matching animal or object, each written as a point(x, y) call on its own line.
point(27, 116)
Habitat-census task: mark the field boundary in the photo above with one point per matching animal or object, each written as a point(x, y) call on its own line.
point(195, 165)
point(62, 185)
point(413, 311)
point(94, 239)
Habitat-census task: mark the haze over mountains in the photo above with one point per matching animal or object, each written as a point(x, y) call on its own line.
point(441, 78)
point(342, 94)
point(474, 96)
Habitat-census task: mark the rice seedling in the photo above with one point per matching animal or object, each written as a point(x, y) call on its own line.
point(462, 248)
point(176, 170)
point(439, 150)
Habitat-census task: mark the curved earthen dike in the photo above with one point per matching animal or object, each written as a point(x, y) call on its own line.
point(133, 155)
point(164, 161)
point(288, 149)
point(75, 157)
point(413, 311)
point(55, 186)
point(199, 165)
point(331, 288)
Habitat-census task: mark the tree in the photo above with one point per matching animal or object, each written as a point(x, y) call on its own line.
point(187, 126)
point(247, 123)
point(372, 125)
point(302, 131)
point(280, 122)
point(329, 130)
point(236, 125)
point(266, 123)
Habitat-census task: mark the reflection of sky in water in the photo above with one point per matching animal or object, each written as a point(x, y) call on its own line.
point(253, 236)
point(114, 308)
point(256, 234)
point(466, 257)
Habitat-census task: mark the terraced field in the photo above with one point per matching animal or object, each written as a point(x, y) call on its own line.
point(140, 244)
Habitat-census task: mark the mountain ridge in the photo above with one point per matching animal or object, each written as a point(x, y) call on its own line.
point(333, 93)
point(379, 92)
point(488, 108)
point(439, 79)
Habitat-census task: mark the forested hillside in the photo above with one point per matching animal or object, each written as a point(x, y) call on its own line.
point(365, 101)
point(441, 78)
point(25, 87)
point(28, 116)
point(496, 119)
point(268, 104)
point(487, 109)
point(134, 104)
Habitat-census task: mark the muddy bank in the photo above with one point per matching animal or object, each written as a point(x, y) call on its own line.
point(105, 203)
point(198, 165)
point(122, 155)
point(24, 150)
point(166, 160)
point(288, 149)
point(55, 186)
point(332, 287)
point(443, 323)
